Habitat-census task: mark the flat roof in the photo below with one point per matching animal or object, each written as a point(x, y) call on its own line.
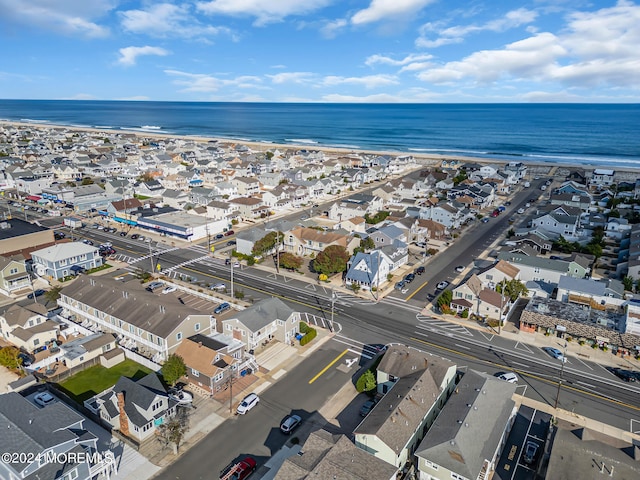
point(17, 228)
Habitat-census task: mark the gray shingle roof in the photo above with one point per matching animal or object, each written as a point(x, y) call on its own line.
point(480, 409)
point(263, 313)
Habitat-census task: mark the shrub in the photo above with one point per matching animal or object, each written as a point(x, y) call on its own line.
point(366, 382)
point(310, 335)
point(465, 313)
point(304, 328)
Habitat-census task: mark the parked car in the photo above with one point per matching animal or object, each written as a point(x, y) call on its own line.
point(421, 244)
point(530, 453)
point(442, 285)
point(521, 210)
point(134, 236)
point(290, 423)
point(495, 213)
point(36, 293)
point(223, 307)
point(43, 399)
point(460, 269)
point(367, 407)
point(485, 220)
point(141, 238)
point(419, 271)
point(239, 470)
point(123, 233)
point(219, 236)
point(218, 286)
point(154, 286)
point(228, 233)
point(231, 242)
point(555, 353)
point(508, 377)
point(26, 359)
point(247, 403)
point(400, 285)
point(169, 289)
point(408, 278)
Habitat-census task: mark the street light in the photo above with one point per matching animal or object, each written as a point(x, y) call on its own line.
point(564, 360)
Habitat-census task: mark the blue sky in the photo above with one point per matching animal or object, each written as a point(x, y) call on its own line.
point(321, 50)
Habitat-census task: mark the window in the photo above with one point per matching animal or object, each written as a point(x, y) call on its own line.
point(489, 277)
point(197, 327)
point(218, 377)
point(179, 336)
point(36, 342)
point(195, 372)
point(431, 464)
point(13, 271)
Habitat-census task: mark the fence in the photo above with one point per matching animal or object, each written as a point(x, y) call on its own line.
point(141, 360)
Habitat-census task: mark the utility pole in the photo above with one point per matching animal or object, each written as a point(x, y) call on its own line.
point(501, 306)
point(231, 386)
point(231, 262)
point(278, 251)
point(564, 360)
point(153, 267)
point(333, 302)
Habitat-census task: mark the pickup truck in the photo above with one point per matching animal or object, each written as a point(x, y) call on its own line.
point(239, 470)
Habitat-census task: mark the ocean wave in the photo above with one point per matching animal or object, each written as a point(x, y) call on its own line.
point(150, 127)
point(339, 145)
point(301, 140)
point(33, 120)
point(104, 127)
point(448, 150)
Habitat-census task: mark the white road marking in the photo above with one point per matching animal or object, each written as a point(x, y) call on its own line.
point(586, 384)
point(521, 364)
point(588, 366)
point(462, 346)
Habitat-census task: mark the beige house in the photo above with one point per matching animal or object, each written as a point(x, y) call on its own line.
point(306, 241)
point(27, 327)
point(81, 350)
point(247, 186)
point(267, 320)
point(246, 206)
point(470, 433)
point(210, 362)
point(13, 274)
point(153, 323)
point(416, 386)
point(499, 272)
point(353, 224)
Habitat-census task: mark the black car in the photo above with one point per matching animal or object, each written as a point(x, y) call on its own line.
point(625, 375)
point(219, 236)
point(26, 359)
point(37, 293)
point(231, 242)
point(367, 407)
point(410, 277)
point(419, 270)
point(134, 236)
point(123, 234)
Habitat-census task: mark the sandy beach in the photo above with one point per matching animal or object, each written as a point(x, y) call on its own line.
point(432, 159)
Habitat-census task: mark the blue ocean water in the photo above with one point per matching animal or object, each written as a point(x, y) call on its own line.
point(606, 135)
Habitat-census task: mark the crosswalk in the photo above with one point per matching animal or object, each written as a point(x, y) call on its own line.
point(436, 325)
point(184, 264)
point(322, 322)
point(364, 350)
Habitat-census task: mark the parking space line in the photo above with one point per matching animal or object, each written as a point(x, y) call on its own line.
point(582, 362)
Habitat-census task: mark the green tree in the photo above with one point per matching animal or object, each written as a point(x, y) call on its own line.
point(290, 261)
point(614, 213)
point(172, 431)
point(145, 177)
point(377, 218)
point(332, 259)
point(267, 243)
point(366, 382)
point(355, 287)
point(53, 294)
point(512, 289)
point(87, 181)
point(628, 282)
point(367, 244)
point(594, 249)
point(460, 177)
point(9, 357)
point(173, 369)
point(444, 300)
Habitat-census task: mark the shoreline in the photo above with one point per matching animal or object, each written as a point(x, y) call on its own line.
point(264, 146)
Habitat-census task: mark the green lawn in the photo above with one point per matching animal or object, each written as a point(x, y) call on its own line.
point(93, 380)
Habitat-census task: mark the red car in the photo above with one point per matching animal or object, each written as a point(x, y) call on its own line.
point(239, 470)
point(229, 233)
point(495, 213)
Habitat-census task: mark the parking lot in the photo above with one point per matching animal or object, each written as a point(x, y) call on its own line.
point(530, 426)
point(197, 302)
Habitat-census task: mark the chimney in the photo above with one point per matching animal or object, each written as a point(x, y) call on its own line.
point(124, 420)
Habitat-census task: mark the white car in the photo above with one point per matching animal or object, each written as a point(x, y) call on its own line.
point(180, 396)
point(247, 403)
point(459, 269)
point(555, 353)
point(169, 289)
point(442, 285)
point(43, 399)
point(509, 377)
point(521, 211)
point(219, 286)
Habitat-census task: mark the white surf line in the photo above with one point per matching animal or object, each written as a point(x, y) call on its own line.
point(588, 366)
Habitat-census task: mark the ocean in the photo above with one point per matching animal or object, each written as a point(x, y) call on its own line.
point(604, 135)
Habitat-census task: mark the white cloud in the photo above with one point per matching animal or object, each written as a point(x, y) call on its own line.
point(552, 97)
point(129, 55)
point(167, 20)
point(265, 11)
point(292, 77)
point(409, 59)
point(331, 29)
point(68, 17)
point(385, 9)
point(368, 81)
point(598, 48)
point(204, 83)
point(456, 34)
point(81, 96)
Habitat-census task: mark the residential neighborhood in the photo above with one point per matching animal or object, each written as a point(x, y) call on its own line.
point(150, 285)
